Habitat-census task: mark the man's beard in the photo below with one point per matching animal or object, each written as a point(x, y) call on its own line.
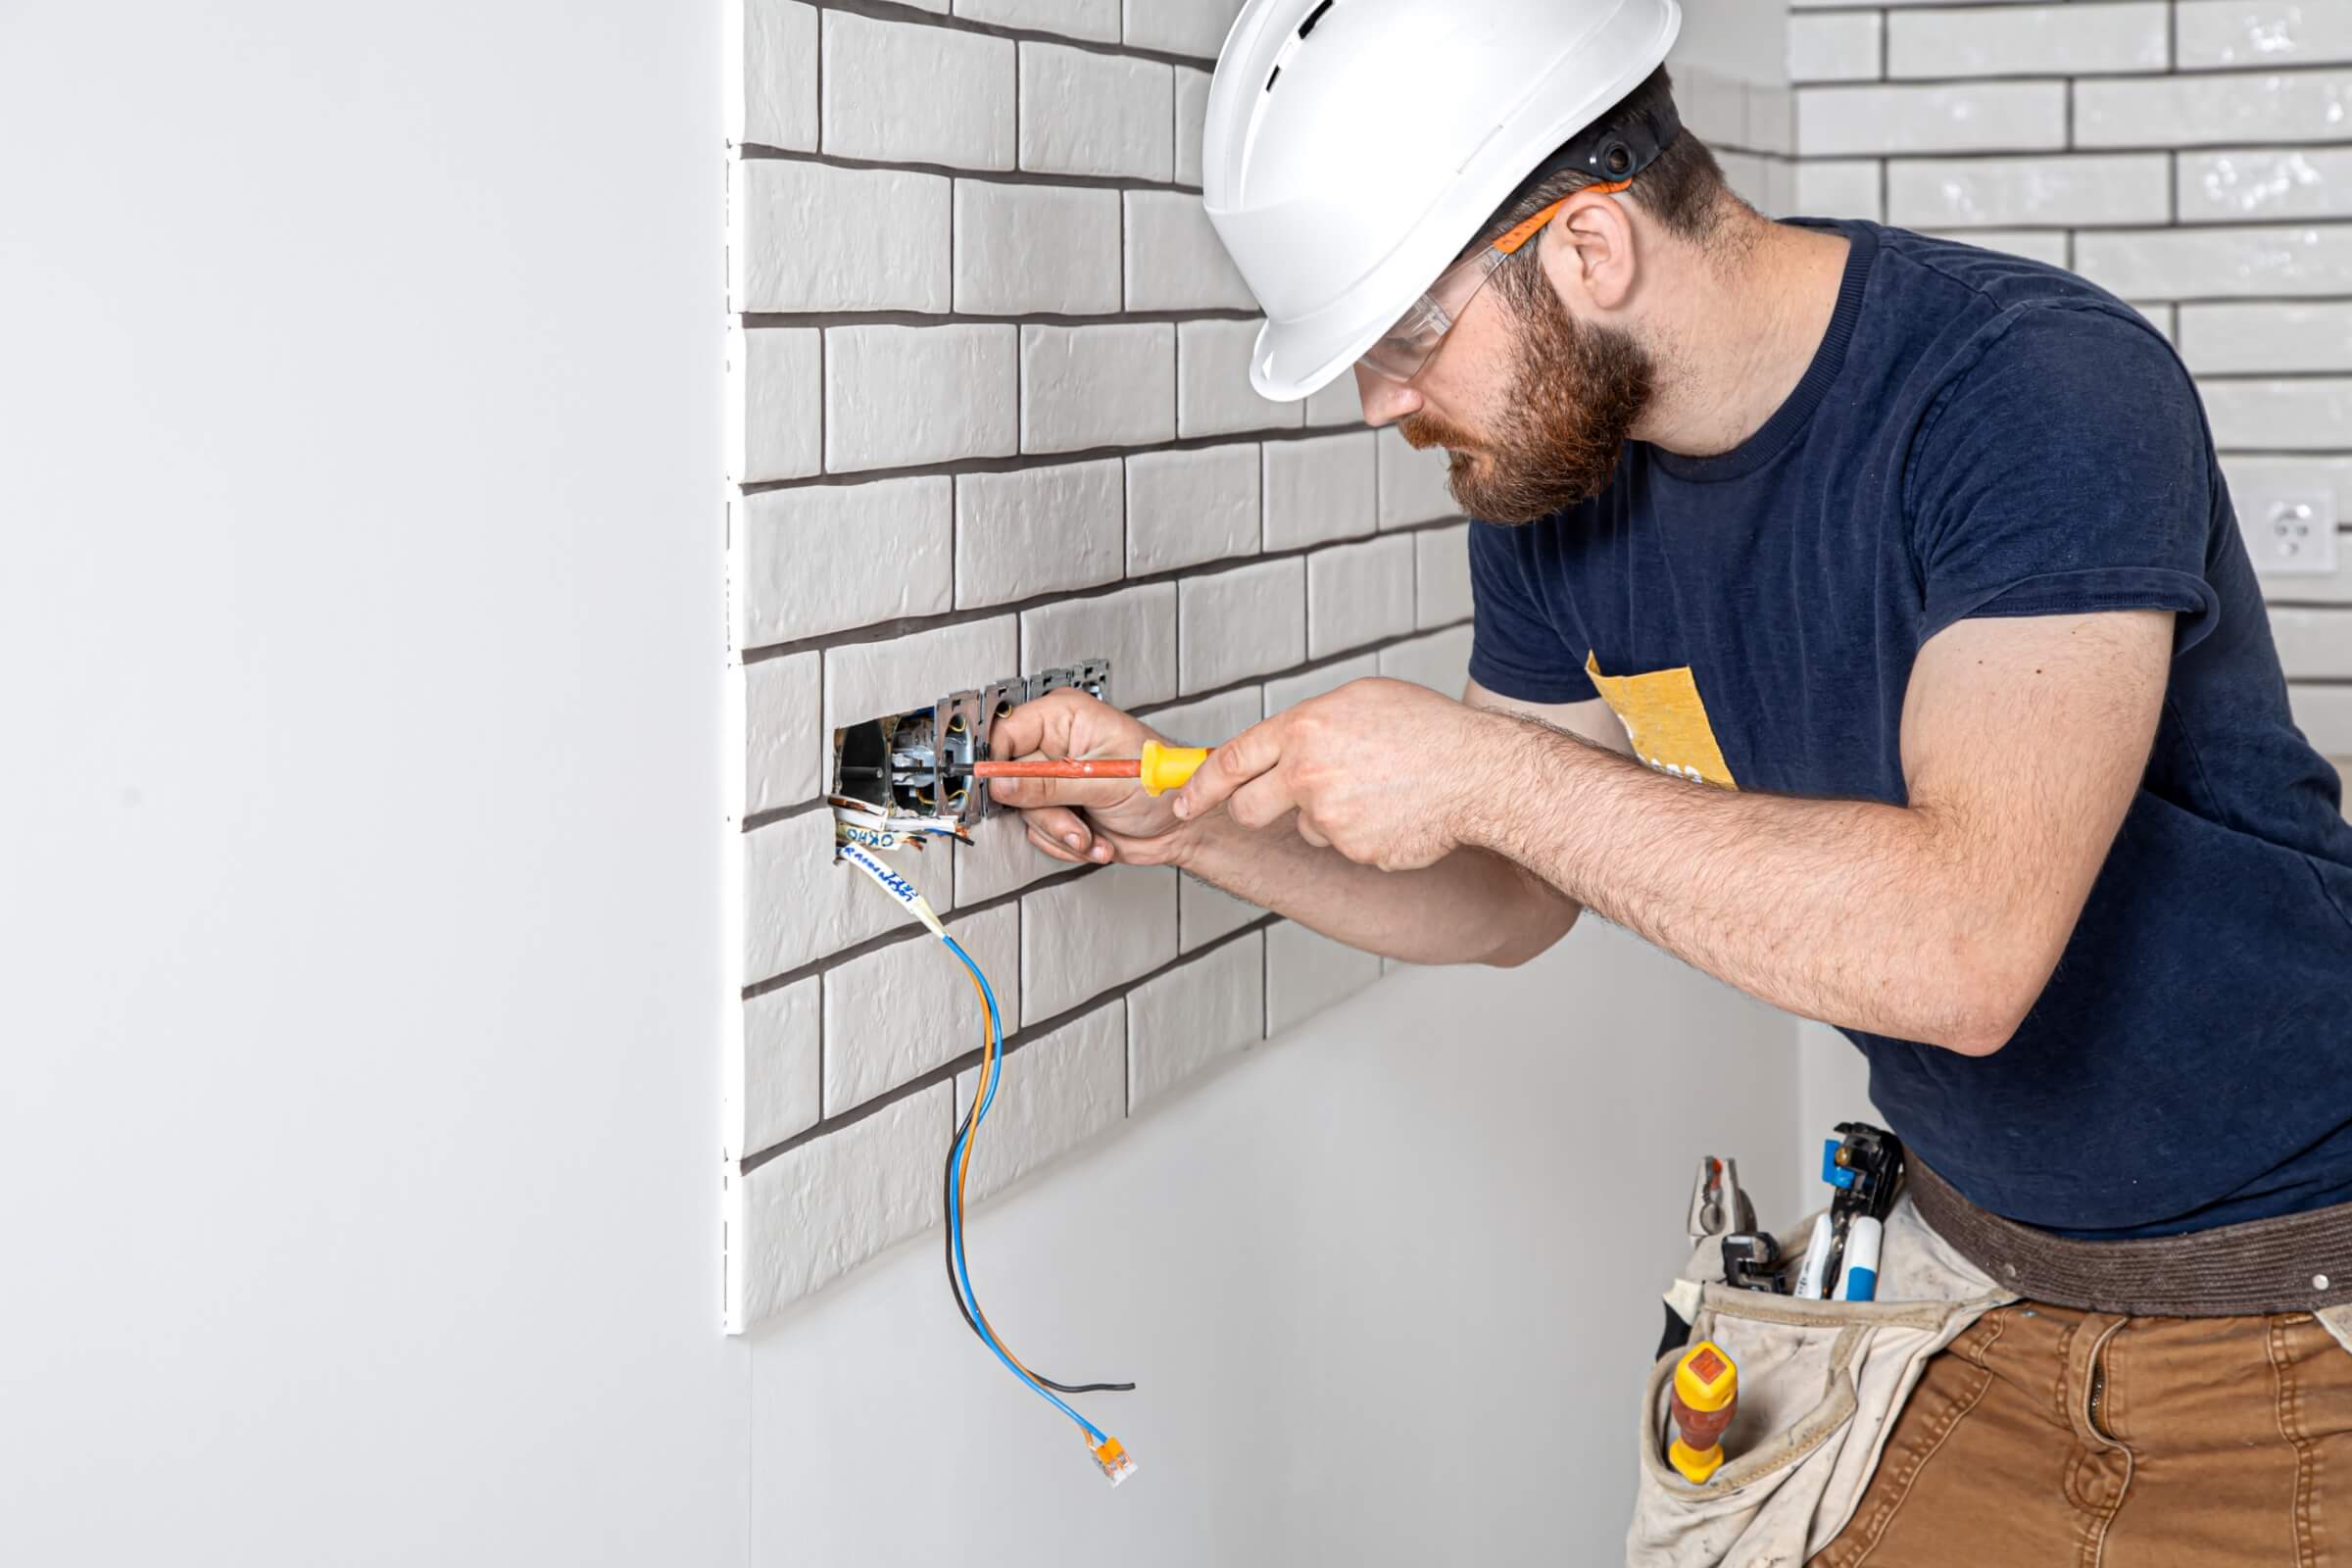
point(1575, 396)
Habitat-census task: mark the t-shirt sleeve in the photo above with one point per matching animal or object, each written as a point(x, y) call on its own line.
point(1516, 649)
point(2067, 470)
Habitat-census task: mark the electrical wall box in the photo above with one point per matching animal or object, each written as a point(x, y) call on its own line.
point(2290, 533)
point(919, 762)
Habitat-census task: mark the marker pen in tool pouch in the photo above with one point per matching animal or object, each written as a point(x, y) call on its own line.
point(1813, 1281)
point(1862, 1243)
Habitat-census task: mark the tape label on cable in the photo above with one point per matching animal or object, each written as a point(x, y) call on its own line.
point(897, 886)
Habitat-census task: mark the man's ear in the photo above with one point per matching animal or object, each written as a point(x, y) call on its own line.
point(1588, 255)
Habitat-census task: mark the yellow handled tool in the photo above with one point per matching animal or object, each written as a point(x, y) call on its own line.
point(1707, 1395)
point(1161, 767)
point(1169, 767)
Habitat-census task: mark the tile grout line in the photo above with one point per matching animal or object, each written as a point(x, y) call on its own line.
point(753, 152)
point(1028, 1034)
point(1016, 462)
point(896, 937)
point(915, 625)
point(2134, 73)
point(914, 15)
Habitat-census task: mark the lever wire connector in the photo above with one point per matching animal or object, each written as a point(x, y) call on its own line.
point(1114, 1460)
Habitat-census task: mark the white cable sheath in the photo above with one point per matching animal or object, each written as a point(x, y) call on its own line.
point(877, 839)
point(897, 886)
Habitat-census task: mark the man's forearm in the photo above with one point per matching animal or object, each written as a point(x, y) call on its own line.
point(1470, 908)
point(1853, 911)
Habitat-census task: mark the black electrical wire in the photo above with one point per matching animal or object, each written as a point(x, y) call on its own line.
point(948, 1245)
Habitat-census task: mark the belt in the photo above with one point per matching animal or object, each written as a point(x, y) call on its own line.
point(2292, 1264)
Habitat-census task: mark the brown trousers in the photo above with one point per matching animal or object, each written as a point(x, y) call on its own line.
point(2048, 1438)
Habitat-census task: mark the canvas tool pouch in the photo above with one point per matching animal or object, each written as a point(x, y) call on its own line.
point(1820, 1386)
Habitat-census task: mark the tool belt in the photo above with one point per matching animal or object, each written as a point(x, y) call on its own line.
point(2294, 1263)
point(1820, 1384)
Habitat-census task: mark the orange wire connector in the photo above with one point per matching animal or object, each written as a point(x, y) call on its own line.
point(1114, 1459)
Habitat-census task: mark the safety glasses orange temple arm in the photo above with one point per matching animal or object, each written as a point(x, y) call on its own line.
point(1511, 243)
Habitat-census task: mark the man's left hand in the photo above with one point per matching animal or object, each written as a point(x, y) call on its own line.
point(1380, 770)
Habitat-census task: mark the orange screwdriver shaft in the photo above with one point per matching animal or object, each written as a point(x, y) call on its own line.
point(1161, 767)
point(1064, 767)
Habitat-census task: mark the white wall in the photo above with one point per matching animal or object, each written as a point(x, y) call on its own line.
point(1746, 39)
point(1833, 1085)
point(1379, 1313)
point(358, 425)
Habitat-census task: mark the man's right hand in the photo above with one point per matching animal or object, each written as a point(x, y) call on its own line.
point(1085, 822)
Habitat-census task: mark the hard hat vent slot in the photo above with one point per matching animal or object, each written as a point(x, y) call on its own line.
point(1292, 47)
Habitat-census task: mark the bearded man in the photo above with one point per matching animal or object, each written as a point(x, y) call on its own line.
point(1862, 617)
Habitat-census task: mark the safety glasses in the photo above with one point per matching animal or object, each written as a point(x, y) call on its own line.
point(1407, 347)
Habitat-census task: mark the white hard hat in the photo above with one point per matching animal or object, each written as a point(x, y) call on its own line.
point(1355, 147)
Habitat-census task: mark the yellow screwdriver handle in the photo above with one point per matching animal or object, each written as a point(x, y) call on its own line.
point(1169, 767)
point(1707, 1395)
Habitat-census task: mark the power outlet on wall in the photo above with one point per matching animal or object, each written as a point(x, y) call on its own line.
point(2290, 533)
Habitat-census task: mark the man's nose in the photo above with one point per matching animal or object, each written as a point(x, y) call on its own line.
point(1385, 401)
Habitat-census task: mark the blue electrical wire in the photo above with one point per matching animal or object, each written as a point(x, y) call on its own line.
point(996, 1052)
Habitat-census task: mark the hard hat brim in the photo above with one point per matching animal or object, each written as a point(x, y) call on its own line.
point(1287, 366)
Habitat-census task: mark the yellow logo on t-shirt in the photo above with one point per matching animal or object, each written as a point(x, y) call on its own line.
point(1668, 722)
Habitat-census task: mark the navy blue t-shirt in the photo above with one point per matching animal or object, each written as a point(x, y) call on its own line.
point(1981, 435)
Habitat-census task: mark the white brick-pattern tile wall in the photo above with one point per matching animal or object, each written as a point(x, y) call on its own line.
point(2192, 156)
point(989, 413)
point(1748, 119)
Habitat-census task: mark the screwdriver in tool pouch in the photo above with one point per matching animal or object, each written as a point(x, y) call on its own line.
point(1705, 1398)
point(1161, 768)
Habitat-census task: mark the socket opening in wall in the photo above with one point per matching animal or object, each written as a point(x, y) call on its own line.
point(889, 763)
point(919, 762)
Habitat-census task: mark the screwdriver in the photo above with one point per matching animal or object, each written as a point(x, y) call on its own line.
point(1161, 768)
point(1707, 1395)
